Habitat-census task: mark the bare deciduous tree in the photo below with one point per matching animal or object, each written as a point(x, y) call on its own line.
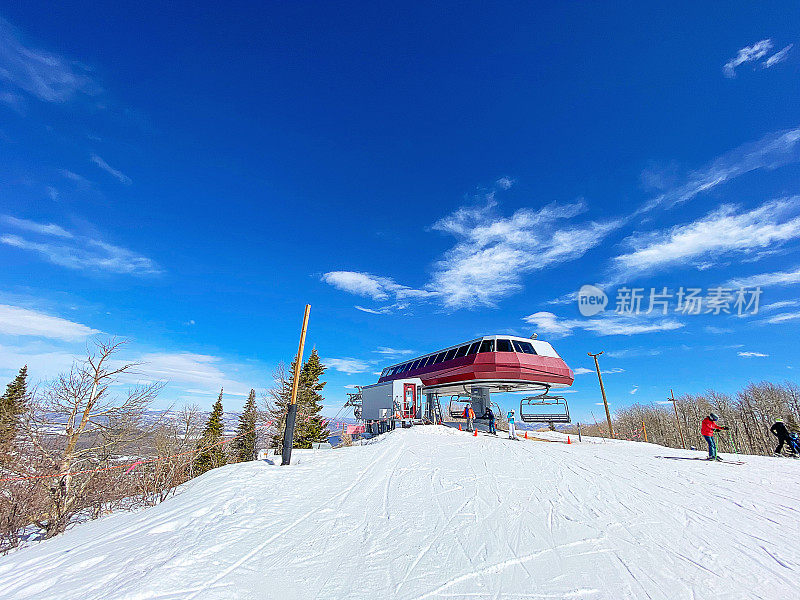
point(98, 426)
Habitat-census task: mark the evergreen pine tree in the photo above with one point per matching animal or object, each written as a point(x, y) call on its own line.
point(310, 427)
point(13, 403)
point(212, 454)
point(244, 446)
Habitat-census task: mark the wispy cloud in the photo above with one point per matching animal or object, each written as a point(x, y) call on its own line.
point(770, 152)
point(33, 226)
point(721, 231)
point(371, 286)
point(782, 318)
point(778, 57)
point(42, 74)
point(748, 54)
point(74, 177)
point(204, 371)
point(117, 174)
point(634, 389)
point(752, 354)
point(393, 352)
point(767, 279)
point(611, 324)
point(18, 321)
point(493, 253)
point(373, 311)
point(585, 371)
point(780, 305)
point(63, 248)
point(505, 183)
point(346, 365)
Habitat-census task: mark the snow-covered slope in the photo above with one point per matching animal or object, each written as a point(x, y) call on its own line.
point(431, 512)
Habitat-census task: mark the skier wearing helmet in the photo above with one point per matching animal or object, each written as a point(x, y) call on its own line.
point(707, 429)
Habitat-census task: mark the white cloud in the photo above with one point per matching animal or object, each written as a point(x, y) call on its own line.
point(40, 228)
point(747, 54)
point(585, 371)
point(635, 389)
point(74, 177)
point(385, 351)
point(493, 253)
point(753, 354)
point(346, 365)
point(778, 57)
point(782, 318)
point(15, 320)
point(77, 252)
point(371, 286)
point(207, 372)
point(717, 330)
point(44, 360)
point(504, 183)
point(119, 175)
point(45, 75)
point(780, 304)
point(611, 324)
point(770, 152)
point(380, 311)
point(721, 231)
point(767, 279)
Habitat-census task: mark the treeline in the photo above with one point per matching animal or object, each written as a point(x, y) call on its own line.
point(79, 447)
point(749, 414)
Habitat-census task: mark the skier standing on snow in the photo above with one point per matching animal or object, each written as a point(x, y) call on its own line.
point(489, 414)
point(469, 415)
point(511, 433)
point(779, 429)
point(707, 429)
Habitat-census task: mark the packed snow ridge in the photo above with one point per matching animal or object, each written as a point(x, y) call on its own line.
point(432, 512)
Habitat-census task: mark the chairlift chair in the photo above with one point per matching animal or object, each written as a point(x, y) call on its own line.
point(458, 406)
point(537, 409)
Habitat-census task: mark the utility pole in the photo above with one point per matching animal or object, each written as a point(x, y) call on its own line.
point(291, 413)
point(603, 391)
point(677, 419)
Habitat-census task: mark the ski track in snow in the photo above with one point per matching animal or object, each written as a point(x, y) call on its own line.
point(431, 512)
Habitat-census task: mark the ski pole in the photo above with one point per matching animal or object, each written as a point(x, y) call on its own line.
point(732, 443)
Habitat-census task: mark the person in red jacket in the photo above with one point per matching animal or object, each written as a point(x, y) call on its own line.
point(707, 429)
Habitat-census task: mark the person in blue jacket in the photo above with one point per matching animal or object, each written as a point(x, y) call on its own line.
point(512, 435)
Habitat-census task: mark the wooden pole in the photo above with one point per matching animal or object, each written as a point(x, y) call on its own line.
point(677, 419)
point(291, 413)
point(644, 429)
point(603, 391)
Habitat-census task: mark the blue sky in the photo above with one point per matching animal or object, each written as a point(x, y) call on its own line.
point(188, 178)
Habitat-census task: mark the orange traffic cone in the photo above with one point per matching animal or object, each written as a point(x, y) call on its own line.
point(475, 433)
point(526, 435)
point(459, 426)
point(568, 440)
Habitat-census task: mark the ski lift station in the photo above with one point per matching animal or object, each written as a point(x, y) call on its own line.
point(467, 374)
